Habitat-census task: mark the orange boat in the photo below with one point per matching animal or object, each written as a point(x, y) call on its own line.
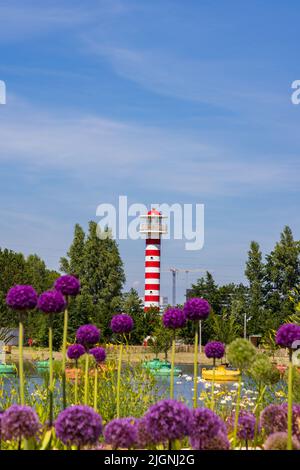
point(71, 373)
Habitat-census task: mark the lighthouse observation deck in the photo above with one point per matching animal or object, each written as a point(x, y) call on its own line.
point(153, 223)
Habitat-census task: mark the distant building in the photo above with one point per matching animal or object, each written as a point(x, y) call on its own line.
point(163, 302)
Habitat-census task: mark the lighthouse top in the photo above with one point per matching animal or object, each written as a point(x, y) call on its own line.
point(153, 225)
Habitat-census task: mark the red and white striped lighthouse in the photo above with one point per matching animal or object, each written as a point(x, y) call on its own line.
point(153, 229)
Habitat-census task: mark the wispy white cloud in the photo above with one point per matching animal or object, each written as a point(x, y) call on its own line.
point(135, 156)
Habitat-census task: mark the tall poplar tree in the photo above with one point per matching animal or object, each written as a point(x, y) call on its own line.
point(255, 274)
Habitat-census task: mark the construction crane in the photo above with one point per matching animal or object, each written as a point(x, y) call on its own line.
point(174, 272)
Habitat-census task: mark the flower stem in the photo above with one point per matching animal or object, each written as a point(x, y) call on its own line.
point(290, 405)
point(237, 410)
point(76, 386)
point(172, 368)
point(256, 411)
point(119, 380)
point(51, 369)
point(196, 366)
point(96, 389)
point(64, 350)
point(212, 405)
point(86, 379)
point(21, 365)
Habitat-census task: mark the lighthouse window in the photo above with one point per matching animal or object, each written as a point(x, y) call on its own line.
point(151, 292)
point(151, 257)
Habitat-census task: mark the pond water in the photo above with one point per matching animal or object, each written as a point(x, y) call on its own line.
point(183, 384)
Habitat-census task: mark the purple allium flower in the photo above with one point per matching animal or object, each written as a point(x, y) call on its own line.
point(78, 425)
point(174, 318)
point(121, 433)
point(295, 418)
point(19, 421)
point(214, 349)
point(1, 414)
point(99, 354)
point(88, 335)
point(75, 351)
point(22, 297)
point(67, 285)
point(246, 425)
point(287, 334)
point(278, 441)
point(121, 323)
point(167, 420)
point(51, 301)
point(196, 309)
point(218, 442)
point(273, 419)
point(205, 425)
point(144, 437)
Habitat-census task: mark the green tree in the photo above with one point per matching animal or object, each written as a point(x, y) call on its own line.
point(161, 340)
point(282, 276)
point(144, 322)
point(255, 274)
point(96, 260)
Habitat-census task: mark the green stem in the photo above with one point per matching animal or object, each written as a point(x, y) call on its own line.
point(21, 365)
point(257, 413)
point(86, 379)
point(212, 405)
point(76, 384)
point(172, 368)
point(51, 369)
point(119, 380)
point(237, 410)
point(64, 351)
point(290, 405)
point(196, 366)
point(96, 389)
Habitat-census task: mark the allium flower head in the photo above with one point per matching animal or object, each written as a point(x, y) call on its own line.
point(262, 370)
point(78, 425)
point(144, 437)
point(287, 334)
point(218, 442)
point(167, 420)
point(273, 419)
point(214, 349)
point(75, 351)
point(22, 297)
point(205, 425)
point(196, 309)
point(241, 353)
point(51, 301)
point(19, 421)
point(278, 441)
point(88, 335)
point(67, 285)
point(99, 354)
point(121, 433)
point(174, 318)
point(121, 323)
point(246, 425)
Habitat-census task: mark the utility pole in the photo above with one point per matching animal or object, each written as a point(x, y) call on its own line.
point(173, 271)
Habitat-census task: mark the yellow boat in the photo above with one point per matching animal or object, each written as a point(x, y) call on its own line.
point(221, 374)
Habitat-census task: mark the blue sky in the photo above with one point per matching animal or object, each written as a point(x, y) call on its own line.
point(162, 101)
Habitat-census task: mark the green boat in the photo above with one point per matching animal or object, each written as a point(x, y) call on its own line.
point(165, 371)
point(7, 369)
point(42, 364)
point(155, 364)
